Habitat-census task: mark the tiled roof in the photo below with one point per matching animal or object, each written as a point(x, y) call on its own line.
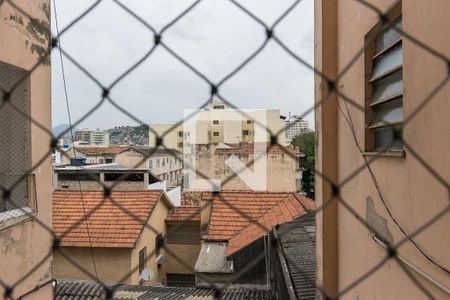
point(78, 289)
point(211, 259)
point(109, 225)
point(191, 198)
point(102, 150)
point(148, 151)
point(245, 293)
point(90, 290)
point(288, 209)
point(184, 213)
point(232, 211)
point(298, 242)
point(249, 148)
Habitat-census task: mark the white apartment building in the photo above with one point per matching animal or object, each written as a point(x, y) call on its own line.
point(92, 137)
point(220, 124)
point(295, 125)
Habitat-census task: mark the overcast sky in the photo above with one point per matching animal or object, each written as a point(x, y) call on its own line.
point(215, 37)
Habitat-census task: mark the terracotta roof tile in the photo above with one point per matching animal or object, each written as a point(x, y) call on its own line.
point(109, 225)
point(184, 213)
point(232, 211)
point(103, 150)
point(290, 207)
point(249, 148)
point(191, 198)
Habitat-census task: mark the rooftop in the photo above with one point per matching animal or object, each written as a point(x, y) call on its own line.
point(90, 290)
point(288, 209)
point(298, 242)
point(109, 225)
point(102, 150)
point(249, 148)
point(184, 213)
point(148, 151)
point(232, 211)
point(211, 259)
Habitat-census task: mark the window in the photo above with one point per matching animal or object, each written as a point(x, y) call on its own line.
point(150, 163)
point(100, 161)
point(180, 133)
point(108, 161)
point(216, 122)
point(142, 258)
point(186, 234)
point(216, 133)
point(249, 121)
point(219, 106)
point(159, 243)
point(180, 279)
point(245, 132)
point(180, 144)
point(384, 89)
point(157, 163)
point(15, 149)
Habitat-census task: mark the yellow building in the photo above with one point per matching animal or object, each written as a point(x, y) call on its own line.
point(398, 123)
point(220, 124)
point(25, 92)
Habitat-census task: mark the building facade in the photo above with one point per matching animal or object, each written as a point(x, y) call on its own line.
point(389, 127)
point(295, 125)
point(220, 124)
point(270, 168)
point(25, 212)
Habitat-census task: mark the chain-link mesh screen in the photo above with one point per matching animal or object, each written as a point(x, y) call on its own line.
point(15, 129)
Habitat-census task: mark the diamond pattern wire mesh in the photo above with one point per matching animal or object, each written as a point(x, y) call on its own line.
point(17, 82)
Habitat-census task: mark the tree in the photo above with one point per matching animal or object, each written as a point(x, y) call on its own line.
point(306, 143)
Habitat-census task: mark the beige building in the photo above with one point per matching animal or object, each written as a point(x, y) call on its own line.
point(389, 84)
point(274, 168)
point(115, 243)
point(25, 212)
point(220, 124)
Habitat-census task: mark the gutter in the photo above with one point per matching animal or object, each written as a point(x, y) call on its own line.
point(413, 267)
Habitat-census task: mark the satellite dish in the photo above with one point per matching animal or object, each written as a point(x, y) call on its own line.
point(147, 274)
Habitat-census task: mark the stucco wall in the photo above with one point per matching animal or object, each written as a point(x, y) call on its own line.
point(187, 255)
point(112, 264)
point(147, 239)
point(412, 193)
point(25, 244)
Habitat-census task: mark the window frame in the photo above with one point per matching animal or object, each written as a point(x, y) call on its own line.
point(394, 15)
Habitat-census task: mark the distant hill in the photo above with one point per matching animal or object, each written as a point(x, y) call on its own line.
point(129, 135)
point(58, 129)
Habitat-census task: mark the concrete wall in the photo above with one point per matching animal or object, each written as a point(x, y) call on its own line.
point(24, 244)
point(344, 247)
point(281, 169)
point(112, 264)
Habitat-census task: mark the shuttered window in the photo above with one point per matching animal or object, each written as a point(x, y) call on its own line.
point(386, 81)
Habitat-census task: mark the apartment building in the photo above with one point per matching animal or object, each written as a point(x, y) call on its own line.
point(295, 125)
point(245, 166)
point(92, 137)
point(220, 123)
point(25, 90)
point(398, 123)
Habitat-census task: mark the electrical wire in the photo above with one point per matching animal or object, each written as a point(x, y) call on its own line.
point(73, 140)
point(349, 121)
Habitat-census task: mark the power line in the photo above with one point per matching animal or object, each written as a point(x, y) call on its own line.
point(73, 140)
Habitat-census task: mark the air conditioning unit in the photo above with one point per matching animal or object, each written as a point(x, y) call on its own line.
point(159, 259)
